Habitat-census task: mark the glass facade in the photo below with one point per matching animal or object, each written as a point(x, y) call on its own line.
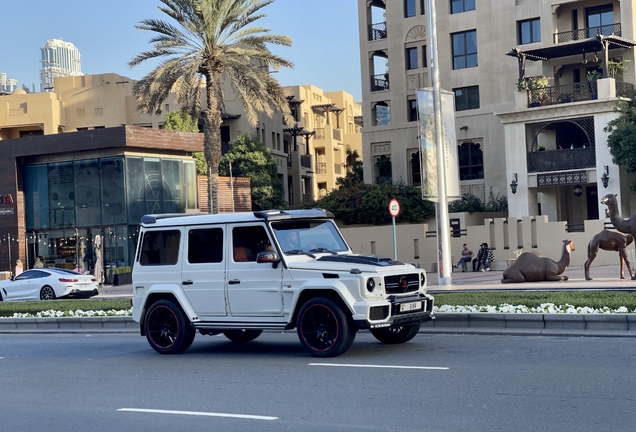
point(67, 204)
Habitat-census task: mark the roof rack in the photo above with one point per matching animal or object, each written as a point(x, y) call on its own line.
point(293, 214)
point(153, 218)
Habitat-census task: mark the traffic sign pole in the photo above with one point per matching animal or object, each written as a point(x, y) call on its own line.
point(394, 211)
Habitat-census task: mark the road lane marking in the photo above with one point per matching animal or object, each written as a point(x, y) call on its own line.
point(378, 366)
point(198, 413)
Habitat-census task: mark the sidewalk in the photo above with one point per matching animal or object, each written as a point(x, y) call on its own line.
point(604, 278)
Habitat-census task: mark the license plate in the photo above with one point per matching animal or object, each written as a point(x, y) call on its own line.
point(406, 307)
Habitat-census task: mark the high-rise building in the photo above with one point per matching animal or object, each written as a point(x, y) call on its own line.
point(7, 85)
point(58, 59)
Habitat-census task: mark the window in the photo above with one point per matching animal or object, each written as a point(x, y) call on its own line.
point(205, 246)
point(414, 168)
point(466, 98)
point(424, 56)
point(411, 58)
point(459, 6)
point(465, 49)
point(160, 247)
point(422, 7)
point(529, 31)
point(412, 107)
point(382, 114)
point(248, 241)
point(409, 8)
point(600, 20)
point(471, 161)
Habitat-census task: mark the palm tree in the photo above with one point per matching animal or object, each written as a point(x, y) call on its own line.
point(212, 42)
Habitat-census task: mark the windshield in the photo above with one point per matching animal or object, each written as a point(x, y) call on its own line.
point(308, 236)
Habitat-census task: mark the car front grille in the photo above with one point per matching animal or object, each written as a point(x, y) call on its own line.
point(402, 284)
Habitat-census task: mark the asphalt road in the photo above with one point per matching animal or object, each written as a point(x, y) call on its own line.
point(434, 383)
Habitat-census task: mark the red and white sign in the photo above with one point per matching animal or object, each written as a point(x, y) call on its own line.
point(394, 207)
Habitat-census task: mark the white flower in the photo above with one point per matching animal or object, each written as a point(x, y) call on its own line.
point(74, 314)
point(543, 308)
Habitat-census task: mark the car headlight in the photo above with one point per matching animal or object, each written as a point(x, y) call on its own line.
point(422, 279)
point(370, 284)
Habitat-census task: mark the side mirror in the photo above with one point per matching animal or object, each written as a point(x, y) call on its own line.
point(268, 257)
point(12, 278)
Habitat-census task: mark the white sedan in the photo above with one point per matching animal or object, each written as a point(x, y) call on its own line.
point(47, 284)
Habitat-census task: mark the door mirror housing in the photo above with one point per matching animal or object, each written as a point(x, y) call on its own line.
point(268, 256)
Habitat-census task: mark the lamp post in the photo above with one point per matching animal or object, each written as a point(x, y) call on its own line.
point(605, 176)
point(513, 184)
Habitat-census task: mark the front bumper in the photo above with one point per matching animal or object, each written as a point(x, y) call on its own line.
point(397, 314)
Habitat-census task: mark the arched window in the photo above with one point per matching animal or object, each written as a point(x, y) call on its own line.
point(415, 169)
point(383, 170)
point(471, 161)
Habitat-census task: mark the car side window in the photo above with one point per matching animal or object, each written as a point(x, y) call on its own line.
point(160, 247)
point(248, 241)
point(205, 245)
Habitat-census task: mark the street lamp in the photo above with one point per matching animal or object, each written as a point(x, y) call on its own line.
point(578, 190)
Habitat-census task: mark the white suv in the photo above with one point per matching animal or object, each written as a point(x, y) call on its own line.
point(242, 273)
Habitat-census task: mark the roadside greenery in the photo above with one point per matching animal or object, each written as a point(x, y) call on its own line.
point(495, 302)
point(622, 138)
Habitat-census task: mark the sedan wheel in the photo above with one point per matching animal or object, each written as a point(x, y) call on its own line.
point(47, 293)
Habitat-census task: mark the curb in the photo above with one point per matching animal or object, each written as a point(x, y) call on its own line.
point(596, 325)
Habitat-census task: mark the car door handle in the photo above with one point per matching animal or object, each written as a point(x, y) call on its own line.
point(234, 282)
point(187, 282)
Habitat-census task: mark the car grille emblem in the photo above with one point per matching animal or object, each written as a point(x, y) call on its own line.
point(404, 283)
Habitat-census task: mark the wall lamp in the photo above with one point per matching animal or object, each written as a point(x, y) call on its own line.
point(605, 176)
point(513, 184)
point(578, 190)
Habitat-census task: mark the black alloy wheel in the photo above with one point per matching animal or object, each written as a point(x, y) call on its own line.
point(167, 329)
point(47, 293)
point(324, 329)
point(396, 335)
point(242, 335)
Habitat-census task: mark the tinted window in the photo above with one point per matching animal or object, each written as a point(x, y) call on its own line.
point(160, 247)
point(409, 8)
point(411, 58)
point(247, 241)
point(466, 98)
point(465, 49)
point(32, 274)
point(529, 31)
point(205, 245)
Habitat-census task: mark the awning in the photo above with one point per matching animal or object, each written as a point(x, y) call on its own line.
point(576, 47)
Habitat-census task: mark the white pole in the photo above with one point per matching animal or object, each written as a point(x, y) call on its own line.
point(394, 241)
point(444, 235)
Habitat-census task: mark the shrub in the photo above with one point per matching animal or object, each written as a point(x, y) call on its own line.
point(122, 270)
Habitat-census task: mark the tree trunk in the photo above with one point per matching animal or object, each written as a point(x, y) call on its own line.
point(212, 141)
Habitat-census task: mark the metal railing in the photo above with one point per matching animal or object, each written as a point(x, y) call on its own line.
point(586, 33)
point(305, 161)
point(561, 94)
point(321, 168)
point(558, 160)
point(624, 89)
point(380, 82)
point(377, 31)
point(320, 133)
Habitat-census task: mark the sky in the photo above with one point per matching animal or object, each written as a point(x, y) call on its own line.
point(325, 49)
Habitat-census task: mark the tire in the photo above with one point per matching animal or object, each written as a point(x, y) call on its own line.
point(324, 329)
point(242, 335)
point(47, 293)
point(168, 331)
point(396, 335)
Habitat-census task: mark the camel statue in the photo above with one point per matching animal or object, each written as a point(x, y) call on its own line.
point(532, 268)
point(609, 241)
point(626, 226)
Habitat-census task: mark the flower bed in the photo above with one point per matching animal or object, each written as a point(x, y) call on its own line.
point(542, 309)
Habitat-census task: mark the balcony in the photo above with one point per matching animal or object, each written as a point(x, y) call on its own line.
point(380, 82)
point(337, 134)
point(577, 92)
point(337, 168)
point(560, 160)
point(321, 168)
point(377, 31)
point(586, 33)
point(320, 134)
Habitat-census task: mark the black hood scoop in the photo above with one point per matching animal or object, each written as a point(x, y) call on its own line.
point(361, 259)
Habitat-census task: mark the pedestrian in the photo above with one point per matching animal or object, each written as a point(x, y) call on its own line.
point(477, 260)
point(18, 268)
point(38, 263)
point(487, 257)
point(467, 256)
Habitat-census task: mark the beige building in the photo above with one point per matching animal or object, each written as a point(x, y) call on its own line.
point(106, 100)
point(550, 141)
